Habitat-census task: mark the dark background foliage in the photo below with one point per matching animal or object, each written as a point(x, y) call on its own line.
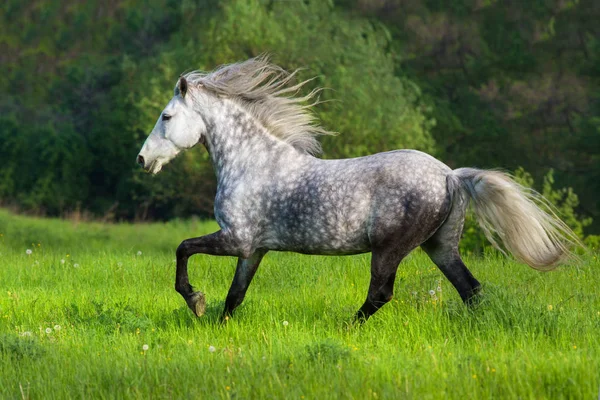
point(485, 83)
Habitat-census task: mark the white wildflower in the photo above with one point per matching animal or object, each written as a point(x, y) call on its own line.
point(28, 252)
point(432, 292)
point(145, 347)
point(211, 349)
point(62, 260)
point(76, 265)
point(48, 330)
point(57, 327)
point(285, 323)
point(139, 253)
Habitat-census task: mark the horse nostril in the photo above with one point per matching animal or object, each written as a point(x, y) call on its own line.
point(140, 160)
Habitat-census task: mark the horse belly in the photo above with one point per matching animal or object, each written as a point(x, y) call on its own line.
point(323, 242)
point(325, 227)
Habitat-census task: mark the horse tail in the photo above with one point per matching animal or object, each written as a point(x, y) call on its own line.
point(520, 217)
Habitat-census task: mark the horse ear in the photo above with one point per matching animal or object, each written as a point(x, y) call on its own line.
point(182, 85)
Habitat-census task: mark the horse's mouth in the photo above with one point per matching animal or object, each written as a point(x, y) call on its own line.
point(155, 167)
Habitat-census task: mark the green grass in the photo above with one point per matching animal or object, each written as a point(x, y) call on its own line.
point(534, 335)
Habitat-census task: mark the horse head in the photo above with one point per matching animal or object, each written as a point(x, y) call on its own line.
point(179, 127)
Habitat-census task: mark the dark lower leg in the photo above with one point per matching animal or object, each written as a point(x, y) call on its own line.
point(451, 265)
point(379, 294)
point(182, 282)
point(244, 272)
point(442, 248)
point(384, 264)
point(215, 244)
point(462, 279)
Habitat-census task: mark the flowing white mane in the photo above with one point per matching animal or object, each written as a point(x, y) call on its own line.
point(265, 90)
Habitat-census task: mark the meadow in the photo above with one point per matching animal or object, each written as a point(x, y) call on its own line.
point(88, 310)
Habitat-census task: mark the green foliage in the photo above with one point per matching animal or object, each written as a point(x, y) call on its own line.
point(55, 152)
point(373, 108)
point(110, 92)
point(592, 242)
point(510, 84)
point(68, 139)
point(565, 202)
point(475, 83)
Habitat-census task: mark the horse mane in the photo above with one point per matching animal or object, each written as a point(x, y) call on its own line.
point(266, 91)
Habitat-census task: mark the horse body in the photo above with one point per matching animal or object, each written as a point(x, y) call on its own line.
point(347, 206)
point(272, 194)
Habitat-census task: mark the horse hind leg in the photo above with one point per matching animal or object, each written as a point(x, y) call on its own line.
point(442, 248)
point(450, 263)
point(384, 264)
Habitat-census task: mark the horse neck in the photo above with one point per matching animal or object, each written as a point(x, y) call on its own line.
point(238, 145)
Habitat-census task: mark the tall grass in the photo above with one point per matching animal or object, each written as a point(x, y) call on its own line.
point(76, 313)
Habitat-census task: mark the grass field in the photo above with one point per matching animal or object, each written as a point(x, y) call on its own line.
point(91, 313)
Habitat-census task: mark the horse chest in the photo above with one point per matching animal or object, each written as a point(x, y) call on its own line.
point(236, 208)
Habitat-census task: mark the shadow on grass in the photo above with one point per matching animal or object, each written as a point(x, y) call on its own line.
point(107, 317)
point(183, 317)
point(18, 348)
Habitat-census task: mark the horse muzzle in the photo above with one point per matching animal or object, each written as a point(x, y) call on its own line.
point(152, 167)
point(141, 162)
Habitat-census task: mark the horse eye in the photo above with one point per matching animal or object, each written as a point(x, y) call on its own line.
point(166, 117)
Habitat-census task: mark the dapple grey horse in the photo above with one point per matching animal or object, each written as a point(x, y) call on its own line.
point(274, 194)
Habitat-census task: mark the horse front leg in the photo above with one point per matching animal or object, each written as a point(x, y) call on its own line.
point(218, 244)
point(244, 272)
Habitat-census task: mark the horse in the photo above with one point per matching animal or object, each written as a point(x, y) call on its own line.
point(275, 194)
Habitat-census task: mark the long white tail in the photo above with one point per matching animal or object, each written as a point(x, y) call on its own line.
point(512, 213)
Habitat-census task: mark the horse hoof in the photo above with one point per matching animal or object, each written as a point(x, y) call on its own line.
point(197, 303)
